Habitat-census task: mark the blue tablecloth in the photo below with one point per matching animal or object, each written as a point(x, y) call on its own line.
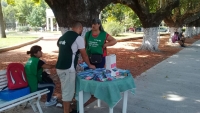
point(108, 91)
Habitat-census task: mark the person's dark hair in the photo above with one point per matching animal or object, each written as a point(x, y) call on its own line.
point(34, 49)
point(98, 21)
point(176, 33)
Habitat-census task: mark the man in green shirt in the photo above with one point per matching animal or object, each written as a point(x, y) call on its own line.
point(70, 45)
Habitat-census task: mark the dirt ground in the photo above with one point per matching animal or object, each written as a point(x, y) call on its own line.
point(127, 55)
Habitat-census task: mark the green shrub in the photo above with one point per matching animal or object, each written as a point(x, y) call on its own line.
point(24, 28)
point(183, 29)
point(113, 28)
point(36, 28)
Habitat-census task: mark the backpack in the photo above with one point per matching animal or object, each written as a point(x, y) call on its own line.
point(16, 76)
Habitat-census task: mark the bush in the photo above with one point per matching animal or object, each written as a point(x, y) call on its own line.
point(36, 29)
point(183, 29)
point(113, 28)
point(24, 28)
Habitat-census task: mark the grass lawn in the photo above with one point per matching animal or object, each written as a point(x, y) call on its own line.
point(14, 40)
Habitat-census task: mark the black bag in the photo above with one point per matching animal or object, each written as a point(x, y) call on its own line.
point(95, 58)
point(46, 78)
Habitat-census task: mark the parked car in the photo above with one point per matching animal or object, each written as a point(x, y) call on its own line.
point(139, 29)
point(162, 29)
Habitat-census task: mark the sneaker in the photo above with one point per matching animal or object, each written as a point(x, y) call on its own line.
point(50, 103)
point(182, 45)
point(54, 98)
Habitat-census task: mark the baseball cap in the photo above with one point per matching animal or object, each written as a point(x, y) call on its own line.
point(96, 21)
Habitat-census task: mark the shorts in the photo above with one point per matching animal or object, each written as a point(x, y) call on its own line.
point(67, 79)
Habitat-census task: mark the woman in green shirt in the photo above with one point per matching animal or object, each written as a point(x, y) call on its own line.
point(35, 74)
point(97, 40)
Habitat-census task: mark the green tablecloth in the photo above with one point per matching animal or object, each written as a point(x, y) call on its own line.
point(108, 91)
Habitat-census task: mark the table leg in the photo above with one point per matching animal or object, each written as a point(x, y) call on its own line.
point(81, 109)
point(110, 110)
point(124, 110)
point(98, 102)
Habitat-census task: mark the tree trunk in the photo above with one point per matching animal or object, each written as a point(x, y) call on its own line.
point(149, 41)
point(2, 24)
point(64, 29)
point(198, 26)
point(198, 30)
point(194, 33)
point(151, 21)
point(85, 29)
point(188, 32)
point(68, 11)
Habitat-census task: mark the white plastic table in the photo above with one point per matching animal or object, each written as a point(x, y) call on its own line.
point(102, 91)
point(81, 104)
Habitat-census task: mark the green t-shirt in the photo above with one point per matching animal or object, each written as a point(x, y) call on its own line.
point(65, 52)
point(95, 44)
point(32, 73)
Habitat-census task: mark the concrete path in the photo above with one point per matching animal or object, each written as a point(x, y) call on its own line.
point(172, 86)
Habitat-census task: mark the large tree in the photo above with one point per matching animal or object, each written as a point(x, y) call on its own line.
point(187, 12)
point(2, 23)
point(148, 11)
point(67, 11)
point(151, 13)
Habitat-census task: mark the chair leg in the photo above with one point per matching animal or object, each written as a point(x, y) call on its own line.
point(38, 104)
point(26, 105)
point(33, 106)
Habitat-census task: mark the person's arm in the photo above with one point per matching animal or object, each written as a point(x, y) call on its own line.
point(110, 41)
point(81, 47)
point(85, 58)
point(42, 64)
point(58, 42)
point(47, 66)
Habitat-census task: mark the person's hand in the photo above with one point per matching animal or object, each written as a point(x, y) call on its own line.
point(92, 67)
point(105, 45)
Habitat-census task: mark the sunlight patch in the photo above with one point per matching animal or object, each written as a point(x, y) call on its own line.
point(175, 56)
point(171, 62)
point(143, 56)
point(6, 62)
point(174, 97)
point(197, 44)
point(197, 60)
point(197, 100)
point(124, 45)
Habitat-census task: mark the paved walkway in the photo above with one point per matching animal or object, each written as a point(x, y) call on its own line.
point(171, 86)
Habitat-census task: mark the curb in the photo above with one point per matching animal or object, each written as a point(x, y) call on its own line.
point(135, 38)
point(19, 45)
